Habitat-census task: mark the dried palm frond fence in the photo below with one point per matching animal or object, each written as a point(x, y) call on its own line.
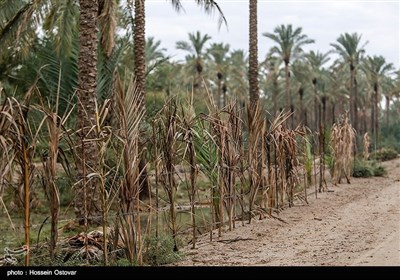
point(287, 168)
point(18, 144)
point(128, 225)
point(213, 145)
point(342, 142)
point(217, 167)
point(225, 133)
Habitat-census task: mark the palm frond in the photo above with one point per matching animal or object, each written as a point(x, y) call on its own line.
point(107, 22)
point(107, 67)
point(130, 112)
point(18, 24)
point(210, 6)
point(182, 45)
point(177, 5)
point(67, 27)
point(47, 65)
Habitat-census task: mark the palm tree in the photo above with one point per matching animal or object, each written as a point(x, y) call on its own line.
point(290, 42)
point(376, 70)
point(166, 78)
point(336, 90)
point(60, 21)
point(388, 89)
point(196, 49)
point(253, 53)
point(237, 75)
point(273, 89)
point(219, 52)
point(154, 54)
point(316, 60)
point(349, 47)
point(20, 22)
point(391, 86)
point(208, 6)
point(139, 22)
point(301, 76)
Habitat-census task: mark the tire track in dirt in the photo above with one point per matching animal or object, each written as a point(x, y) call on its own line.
point(344, 227)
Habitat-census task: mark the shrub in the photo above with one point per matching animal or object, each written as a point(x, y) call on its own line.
point(161, 251)
point(391, 142)
point(379, 171)
point(368, 168)
point(363, 169)
point(384, 154)
point(154, 103)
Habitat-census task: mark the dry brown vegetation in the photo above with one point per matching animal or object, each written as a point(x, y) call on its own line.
point(342, 141)
point(217, 167)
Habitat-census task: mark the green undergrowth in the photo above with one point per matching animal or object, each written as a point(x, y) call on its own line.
point(368, 168)
point(384, 154)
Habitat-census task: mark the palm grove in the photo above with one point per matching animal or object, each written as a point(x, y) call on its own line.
point(81, 85)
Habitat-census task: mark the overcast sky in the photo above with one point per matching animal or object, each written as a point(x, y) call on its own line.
point(321, 20)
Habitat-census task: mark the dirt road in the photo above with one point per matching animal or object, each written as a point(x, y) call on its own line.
point(357, 224)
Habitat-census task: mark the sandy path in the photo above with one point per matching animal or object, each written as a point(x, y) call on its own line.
point(357, 224)
point(386, 253)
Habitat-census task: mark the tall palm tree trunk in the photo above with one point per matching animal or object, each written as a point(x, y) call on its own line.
point(253, 117)
point(87, 199)
point(139, 46)
point(253, 53)
point(140, 76)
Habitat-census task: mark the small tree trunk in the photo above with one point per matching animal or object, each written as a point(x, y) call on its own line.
point(316, 106)
point(289, 101)
point(355, 104)
point(387, 98)
point(275, 97)
point(302, 116)
point(376, 123)
point(224, 90)
point(372, 121)
point(351, 96)
point(364, 110)
point(219, 91)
